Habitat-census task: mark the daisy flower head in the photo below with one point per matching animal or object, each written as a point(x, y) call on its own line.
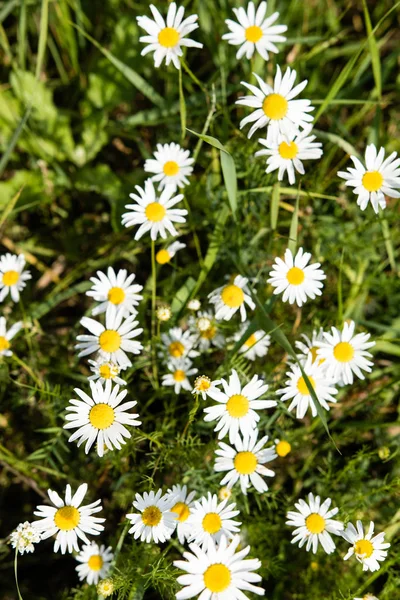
point(179, 343)
point(245, 462)
point(104, 370)
point(379, 177)
point(113, 340)
point(115, 289)
point(345, 354)
point(24, 537)
point(297, 390)
point(206, 329)
point(168, 38)
point(164, 312)
point(237, 406)
point(256, 345)
point(219, 572)
point(68, 520)
point(105, 587)
point(275, 106)
point(152, 212)
point(178, 377)
point(95, 562)
point(13, 278)
point(368, 550)
point(314, 524)
point(296, 278)
point(165, 255)
point(182, 508)
point(282, 447)
point(194, 304)
point(155, 519)
point(100, 417)
point(254, 31)
point(210, 520)
point(7, 336)
point(309, 346)
point(171, 164)
point(286, 151)
point(205, 386)
point(230, 298)
point(367, 597)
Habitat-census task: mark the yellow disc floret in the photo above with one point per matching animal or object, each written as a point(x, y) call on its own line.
point(237, 406)
point(363, 548)
point(95, 562)
point(212, 523)
point(217, 578)
point(182, 510)
point(151, 516)
point(343, 352)
point(302, 386)
point(10, 277)
point(163, 256)
point(283, 448)
point(253, 33)
point(288, 151)
point(101, 416)
point(116, 295)
point(171, 168)
point(4, 343)
point(372, 181)
point(245, 462)
point(155, 212)
point(295, 276)
point(275, 106)
point(315, 523)
point(168, 37)
point(110, 340)
point(232, 295)
point(179, 375)
point(176, 349)
point(67, 518)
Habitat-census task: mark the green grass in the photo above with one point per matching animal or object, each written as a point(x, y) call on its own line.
point(80, 111)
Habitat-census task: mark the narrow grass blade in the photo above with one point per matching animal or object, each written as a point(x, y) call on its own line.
point(292, 244)
point(11, 145)
point(274, 206)
point(44, 19)
point(182, 295)
point(9, 207)
point(182, 106)
point(374, 50)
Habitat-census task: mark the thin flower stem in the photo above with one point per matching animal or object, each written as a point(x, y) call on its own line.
point(16, 574)
point(153, 312)
point(28, 370)
point(192, 415)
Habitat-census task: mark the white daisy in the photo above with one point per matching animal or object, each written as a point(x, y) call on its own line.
point(24, 537)
point(154, 213)
point(275, 106)
point(179, 343)
point(95, 562)
point(282, 447)
point(13, 278)
point(168, 38)
point(309, 346)
point(115, 289)
point(245, 462)
point(210, 520)
point(237, 406)
point(171, 164)
point(155, 520)
point(297, 391)
point(256, 345)
point(165, 255)
point(164, 312)
point(220, 573)
point(69, 520)
point(105, 370)
point(314, 524)
point(113, 340)
point(295, 278)
point(230, 298)
point(206, 329)
point(368, 550)
point(367, 597)
point(194, 304)
point(286, 152)
point(180, 371)
point(379, 178)
point(100, 417)
point(105, 587)
point(254, 31)
point(6, 336)
point(182, 509)
point(204, 386)
point(345, 353)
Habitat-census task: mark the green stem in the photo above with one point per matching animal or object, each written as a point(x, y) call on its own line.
point(192, 415)
point(182, 107)
point(153, 312)
point(28, 370)
point(16, 574)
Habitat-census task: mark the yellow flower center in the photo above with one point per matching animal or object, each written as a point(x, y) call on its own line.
point(203, 324)
point(283, 448)
point(232, 295)
point(237, 406)
point(179, 375)
point(176, 349)
point(155, 212)
point(313, 351)
point(67, 518)
point(253, 33)
point(116, 295)
point(251, 341)
point(202, 383)
point(95, 562)
point(209, 334)
point(108, 372)
point(182, 510)
point(10, 277)
point(151, 516)
point(168, 37)
point(372, 181)
point(212, 523)
point(163, 257)
point(245, 463)
point(4, 343)
point(217, 578)
point(288, 151)
point(110, 340)
point(171, 168)
point(101, 416)
point(343, 352)
point(295, 276)
point(315, 523)
point(275, 106)
point(363, 548)
point(302, 386)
